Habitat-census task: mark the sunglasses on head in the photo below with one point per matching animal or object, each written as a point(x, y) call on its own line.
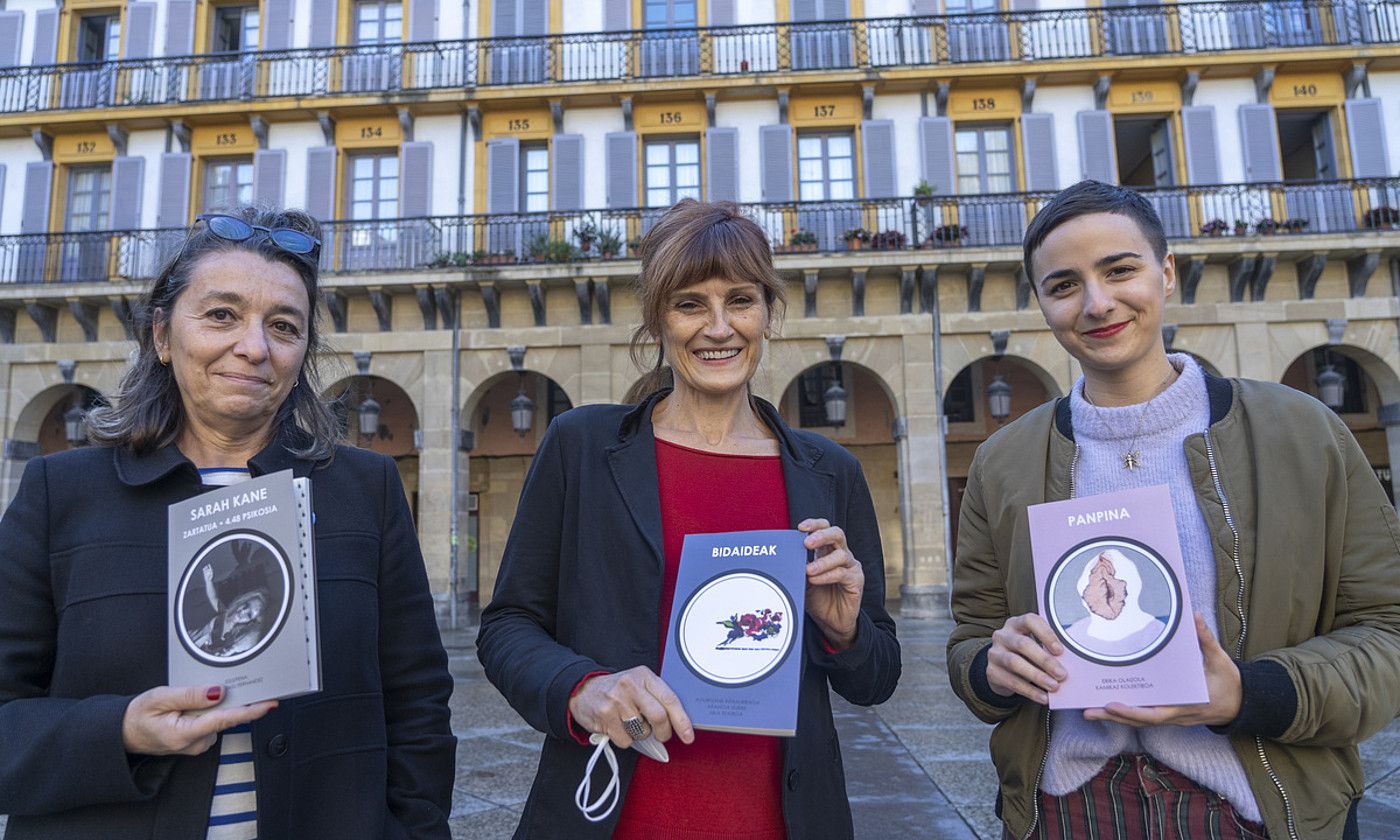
point(235, 229)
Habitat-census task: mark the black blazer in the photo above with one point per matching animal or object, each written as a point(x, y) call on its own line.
point(82, 630)
point(585, 551)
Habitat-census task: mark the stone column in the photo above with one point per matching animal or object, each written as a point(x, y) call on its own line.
point(1389, 415)
point(435, 473)
point(595, 374)
point(924, 592)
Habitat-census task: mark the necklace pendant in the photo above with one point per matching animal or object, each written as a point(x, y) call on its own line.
point(1131, 460)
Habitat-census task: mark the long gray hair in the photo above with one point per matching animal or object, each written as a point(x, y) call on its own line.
point(147, 413)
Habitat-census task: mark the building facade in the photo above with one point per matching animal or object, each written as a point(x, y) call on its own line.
point(485, 169)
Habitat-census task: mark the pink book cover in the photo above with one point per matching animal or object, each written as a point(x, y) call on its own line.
point(1110, 582)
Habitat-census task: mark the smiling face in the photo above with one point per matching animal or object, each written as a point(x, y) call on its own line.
point(1102, 291)
point(235, 341)
point(712, 335)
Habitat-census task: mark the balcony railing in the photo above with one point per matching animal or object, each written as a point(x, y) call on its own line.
point(895, 225)
point(736, 51)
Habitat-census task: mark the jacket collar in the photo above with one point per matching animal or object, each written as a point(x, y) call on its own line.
point(139, 470)
point(1219, 390)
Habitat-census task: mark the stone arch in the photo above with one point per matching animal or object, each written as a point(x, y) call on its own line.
point(561, 365)
point(881, 356)
point(1385, 380)
point(1375, 350)
point(1037, 351)
point(398, 421)
point(1045, 378)
point(488, 402)
point(40, 421)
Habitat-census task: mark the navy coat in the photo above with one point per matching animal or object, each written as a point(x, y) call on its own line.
point(83, 630)
point(580, 587)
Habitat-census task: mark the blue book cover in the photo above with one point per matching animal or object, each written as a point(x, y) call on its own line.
point(734, 646)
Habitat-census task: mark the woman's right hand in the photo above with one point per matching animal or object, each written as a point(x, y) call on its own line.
point(1022, 659)
point(606, 700)
point(155, 722)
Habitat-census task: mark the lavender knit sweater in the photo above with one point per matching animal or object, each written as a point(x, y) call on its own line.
point(1080, 748)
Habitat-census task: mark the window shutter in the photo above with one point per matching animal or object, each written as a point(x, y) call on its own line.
point(775, 162)
point(11, 29)
point(323, 18)
point(503, 18)
point(422, 20)
point(38, 190)
point(877, 154)
point(277, 24)
point(2, 191)
point(1096, 154)
point(1024, 5)
point(1366, 128)
point(567, 162)
point(621, 148)
point(1259, 133)
point(173, 208)
point(617, 15)
point(179, 27)
point(140, 30)
point(503, 176)
point(924, 7)
point(804, 10)
point(320, 181)
point(128, 178)
point(1038, 145)
point(416, 185)
point(722, 13)
point(45, 37)
point(936, 149)
point(534, 19)
point(1202, 148)
point(722, 163)
point(270, 177)
point(833, 9)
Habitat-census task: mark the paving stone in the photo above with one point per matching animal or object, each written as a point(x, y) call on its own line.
point(983, 819)
point(496, 824)
point(953, 741)
point(964, 782)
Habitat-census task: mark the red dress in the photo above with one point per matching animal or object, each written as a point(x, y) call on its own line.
point(724, 785)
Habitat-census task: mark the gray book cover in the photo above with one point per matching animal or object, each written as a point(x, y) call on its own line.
point(242, 595)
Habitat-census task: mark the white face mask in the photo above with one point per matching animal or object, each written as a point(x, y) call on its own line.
point(648, 746)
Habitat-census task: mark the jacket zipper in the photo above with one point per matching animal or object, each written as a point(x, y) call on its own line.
point(1244, 628)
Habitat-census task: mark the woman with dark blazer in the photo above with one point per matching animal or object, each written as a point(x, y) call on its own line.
point(93, 743)
point(572, 636)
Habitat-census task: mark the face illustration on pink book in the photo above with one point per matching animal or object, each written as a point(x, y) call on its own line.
point(1106, 594)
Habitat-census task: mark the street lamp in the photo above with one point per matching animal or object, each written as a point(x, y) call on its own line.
point(75, 425)
point(1331, 387)
point(835, 401)
point(522, 411)
point(999, 399)
point(368, 413)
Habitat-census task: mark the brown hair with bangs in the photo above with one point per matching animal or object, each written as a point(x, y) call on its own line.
point(691, 243)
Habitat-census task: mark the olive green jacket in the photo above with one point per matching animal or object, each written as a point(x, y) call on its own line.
point(1307, 556)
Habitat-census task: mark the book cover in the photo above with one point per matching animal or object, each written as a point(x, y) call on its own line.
point(1111, 584)
point(242, 595)
point(734, 646)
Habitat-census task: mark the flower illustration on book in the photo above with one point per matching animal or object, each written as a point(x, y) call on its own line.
point(755, 626)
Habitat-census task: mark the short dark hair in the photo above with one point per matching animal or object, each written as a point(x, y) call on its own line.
point(1088, 197)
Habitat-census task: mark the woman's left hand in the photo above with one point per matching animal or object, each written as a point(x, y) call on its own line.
point(835, 582)
point(1222, 686)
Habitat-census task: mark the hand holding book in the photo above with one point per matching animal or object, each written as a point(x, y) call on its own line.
point(605, 701)
point(158, 721)
point(835, 582)
point(1023, 659)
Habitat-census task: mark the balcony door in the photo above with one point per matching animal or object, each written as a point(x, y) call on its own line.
point(986, 167)
point(826, 173)
point(372, 207)
point(821, 36)
point(228, 183)
point(1309, 160)
point(977, 31)
point(376, 64)
point(1135, 27)
point(98, 41)
point(233, 35)
point(1144, 150)
point(86, 222)
point(670, 46)
point(514, 56)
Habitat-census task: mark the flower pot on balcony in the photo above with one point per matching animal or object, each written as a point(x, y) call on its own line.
point(854, 244)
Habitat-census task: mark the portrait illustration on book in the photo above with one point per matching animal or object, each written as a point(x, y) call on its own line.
point(1114, 601)
point(233, 598)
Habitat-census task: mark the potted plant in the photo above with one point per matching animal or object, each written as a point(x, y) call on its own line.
point(856, 238)
point(802, 240)
point(560, 250)
point(923, 193)
point(948, 236)
point(1266, 227)
point(887, 240)
point(585, 233)
point(1297, 225)
point(609, 243)
point(1383, 218)
point(478, 256)
point(537, 247)
point(1214, 228)
point(1241, 227)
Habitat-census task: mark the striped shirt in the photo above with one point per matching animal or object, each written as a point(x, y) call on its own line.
point(233, 812)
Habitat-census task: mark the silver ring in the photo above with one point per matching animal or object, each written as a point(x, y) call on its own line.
point(635, 727)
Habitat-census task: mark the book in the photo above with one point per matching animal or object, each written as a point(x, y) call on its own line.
point(242, 593)
point(1111, 584)
point(733, 651)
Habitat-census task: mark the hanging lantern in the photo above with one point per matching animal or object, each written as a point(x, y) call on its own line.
point(522, 412)
point(835, 401)
point(999, 399)
point(369, 416)
point(75, 426)
point(1331, 387)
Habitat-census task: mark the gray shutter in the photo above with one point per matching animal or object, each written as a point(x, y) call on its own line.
point(936, 150)
point(173, 207)
point(270, 177)
point(722, 13)
point(534, 17)
point(1038, 144)
point(503, 176)
point(38, 191)
point(877, 153)
point(320, 182)
point(1024, 5)
point(422, 20)
point(566, 153)
point(1097, 159)
point(617, 15)
point(924, 7)
point(620, 148)
point(504, 21)
point(804, 10)
point(416, 185)
point(128, 179)
point(140, 30)
point(323, 17)
point(1259, 134)
point(1202, 146)
point(775, 162)
point(1366, 128)
point(833, 9)
point(2, 191)
point(45, 37)
point(722, 163)
point(277, 24)
point(179, 27)
point(11, 31)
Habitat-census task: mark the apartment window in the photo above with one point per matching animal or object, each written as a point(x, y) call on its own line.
point(534, 178)
point(984, 160)
point(99, 37)
point(228, 183)
point(826, 167)
point(960, 406)
point(1305, 140)
point(672, 171)
point(1144, 149)
point(669, 14)
point(89, 198)
point(374, 186)
point(235, 29)
point(378, 22)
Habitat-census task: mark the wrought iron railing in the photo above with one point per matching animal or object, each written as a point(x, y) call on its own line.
point(876, 225)
point(869, 44)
